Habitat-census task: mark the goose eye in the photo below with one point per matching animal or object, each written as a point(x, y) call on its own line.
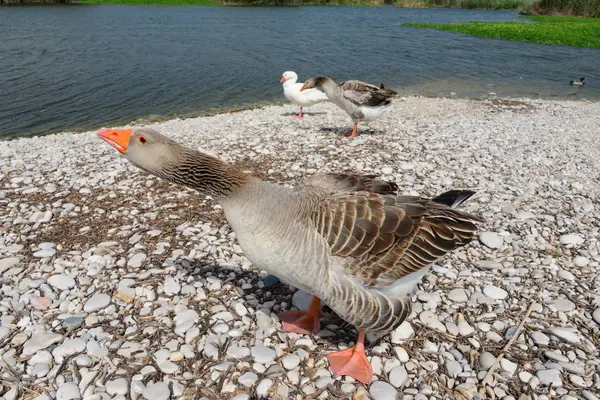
point(142, 139)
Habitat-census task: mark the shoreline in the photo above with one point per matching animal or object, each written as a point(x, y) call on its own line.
point(154, 119)
point(141, 287)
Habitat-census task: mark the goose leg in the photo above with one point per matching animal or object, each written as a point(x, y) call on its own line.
point(354, 131)
point(353, 362)
point(303, 322)
point(299, 115)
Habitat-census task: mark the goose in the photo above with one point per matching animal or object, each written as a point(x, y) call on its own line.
point(580, 82)
point(291, 90)
point(349, 240)
point(361, 101)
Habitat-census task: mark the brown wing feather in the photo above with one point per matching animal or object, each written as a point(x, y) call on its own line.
point(352, 183)
point(362, 93)
point(386, 237)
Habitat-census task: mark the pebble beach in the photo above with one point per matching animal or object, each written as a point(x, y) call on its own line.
point(119, 285)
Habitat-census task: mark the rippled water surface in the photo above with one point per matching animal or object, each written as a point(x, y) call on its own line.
point(83, 67)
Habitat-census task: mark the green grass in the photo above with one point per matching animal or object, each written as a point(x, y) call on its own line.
point(153, 2)
point(484, 4)
point(233, 2)
point(564, 31)
point(582, 8)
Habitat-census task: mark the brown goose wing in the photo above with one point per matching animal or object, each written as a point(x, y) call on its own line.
point(384, 237)
point(365, 94)
point(333, 183)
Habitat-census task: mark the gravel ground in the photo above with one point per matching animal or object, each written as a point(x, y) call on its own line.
point(117, 285)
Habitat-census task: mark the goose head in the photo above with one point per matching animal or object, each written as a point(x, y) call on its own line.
point(289, 76)
point(143, 147)
point(158, 155)
point(316, 82)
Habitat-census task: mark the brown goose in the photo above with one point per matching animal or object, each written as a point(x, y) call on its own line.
point(351, 241)
point(361, 101)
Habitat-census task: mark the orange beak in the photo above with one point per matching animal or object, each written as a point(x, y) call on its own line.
point(303, 88)
point(282, 79)
point(117, 138)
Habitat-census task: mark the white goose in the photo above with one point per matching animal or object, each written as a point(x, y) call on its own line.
point(361, 101)
point(350, 241)
point(306, 98)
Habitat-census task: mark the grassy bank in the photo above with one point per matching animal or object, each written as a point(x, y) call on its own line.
point(153, 2)
point(564, 31)
point(484, 4)
point(583, 8)
point(236, 2)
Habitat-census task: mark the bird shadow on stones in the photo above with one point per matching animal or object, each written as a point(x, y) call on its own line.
point(306, 114)
point(278, 293)
point(346, 131)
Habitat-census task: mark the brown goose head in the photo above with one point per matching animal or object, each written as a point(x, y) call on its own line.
point(316, 82)
point(160, 156)
point(143, 147)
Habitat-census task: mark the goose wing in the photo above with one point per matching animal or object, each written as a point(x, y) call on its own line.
point(365, 94)
point(384, 237)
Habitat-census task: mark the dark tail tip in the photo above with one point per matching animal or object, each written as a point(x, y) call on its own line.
point(454, 198)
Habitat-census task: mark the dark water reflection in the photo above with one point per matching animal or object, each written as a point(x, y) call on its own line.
point(82, 67)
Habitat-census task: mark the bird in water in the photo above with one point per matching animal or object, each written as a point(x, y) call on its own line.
point(580, 82)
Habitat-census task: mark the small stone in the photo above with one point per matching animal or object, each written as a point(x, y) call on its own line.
point(581, 262)
point(402, 333)
point(97, 302)
point(168, 367)
point(117, 386)
point(491, 240)
point(238, 352)
point(41, 303)
point(566, 334)
point(571, 239)
point(8, 263)
point(540, 338)
point(488, 265)
point(68, 391)
point(380, 390)
point(398, 376)
point(171, 286)
point(525, 376)
point(40, 370)
point(136, 261)
point(290, 361)
point(549, 377)
point(401, 354)
point(157, 391)
point(564, 305)
point(453, 368)
point(387, 170)
point(61, 282)
point(494, 292)
point(270, 280)
point(301, 300)
point(40, 341)
point(508, 366)
point(458, 295)
point(263, 355)
point(486, 360)
point(596, 316)
point(262, 390)
point(240, 309)
point(248, 379)
point(464, 328)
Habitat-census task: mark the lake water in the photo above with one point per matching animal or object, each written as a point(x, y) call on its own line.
point(84, 67)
